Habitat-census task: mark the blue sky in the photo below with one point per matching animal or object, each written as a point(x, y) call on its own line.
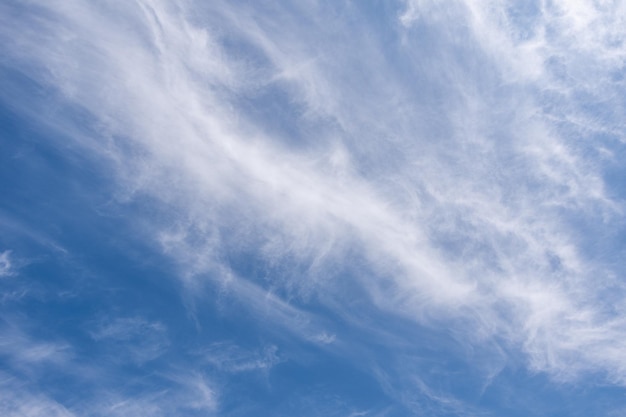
point(312, 208)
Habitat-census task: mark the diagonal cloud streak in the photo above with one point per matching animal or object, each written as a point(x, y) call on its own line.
point(452, 174)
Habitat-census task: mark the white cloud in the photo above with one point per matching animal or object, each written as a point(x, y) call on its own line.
point(133, 338)
point(190, 394)
point(6, 267)
point(17, 401)
point(28, 353)
point(456, 190)
point(518, 210)
point(105, 387)
point(230, 357)
point(193, 397)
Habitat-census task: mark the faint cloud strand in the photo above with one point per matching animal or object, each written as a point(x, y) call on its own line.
point(134, 339)
point(6, 267)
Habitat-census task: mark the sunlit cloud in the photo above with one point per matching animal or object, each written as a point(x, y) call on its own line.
point(343, 175)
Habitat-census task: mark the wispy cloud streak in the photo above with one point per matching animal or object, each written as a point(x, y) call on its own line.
point(451, 174)
point(6, 266)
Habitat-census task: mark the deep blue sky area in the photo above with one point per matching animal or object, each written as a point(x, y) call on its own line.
point(316, 208)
